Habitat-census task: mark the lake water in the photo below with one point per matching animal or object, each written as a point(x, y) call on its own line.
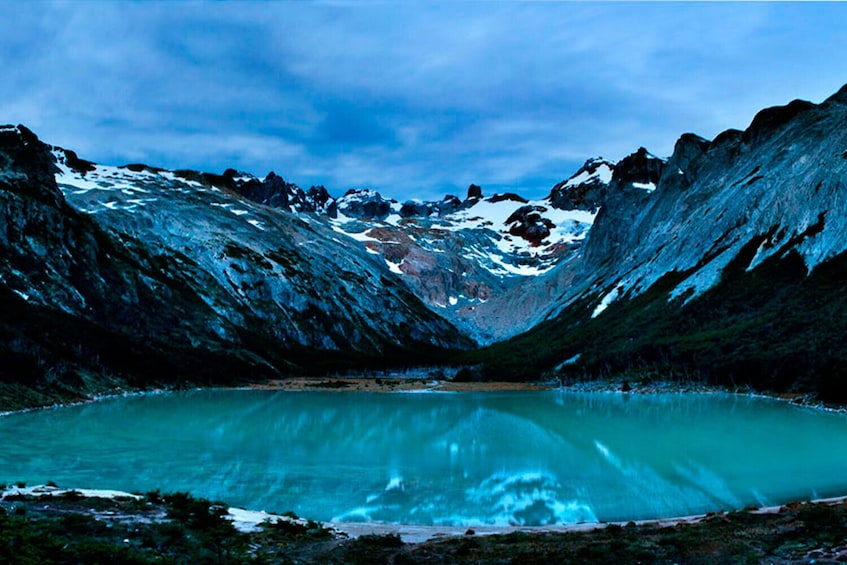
point(531, 458)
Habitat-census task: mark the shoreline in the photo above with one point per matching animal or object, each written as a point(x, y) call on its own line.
point(398, 383)
point(393, 384)
point(402, 383)
point(246, 520)
point(156, 528)
point(412, 533)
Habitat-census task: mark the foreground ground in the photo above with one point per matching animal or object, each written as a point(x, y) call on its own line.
point(154, 528)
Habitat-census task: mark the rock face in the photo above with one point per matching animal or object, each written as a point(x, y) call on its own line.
point(782, 176)
point(474, 192)
point(149, 275)
point(586, 189)
point(718, 264)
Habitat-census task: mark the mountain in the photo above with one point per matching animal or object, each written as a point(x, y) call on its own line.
point(469, 260)
point(113, 276)
point(723, 263)
point(727, 266)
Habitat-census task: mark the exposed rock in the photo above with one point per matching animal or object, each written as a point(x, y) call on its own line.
point(474, 192)
point(507, 196)
point(584, 190)
point(76, 164)
point(769, 120)
point(527, 222)
point(142, 168)
point(273, 191)
point(205, 179)
point(638, 169)
point(318, 199)
point(364, 204)
point(448, 205)
point(417, 209)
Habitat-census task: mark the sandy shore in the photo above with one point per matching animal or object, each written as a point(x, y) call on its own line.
point(402, 383)
point(392, 384)
point(418, 534)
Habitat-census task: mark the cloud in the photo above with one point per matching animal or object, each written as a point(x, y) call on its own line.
point(413, 99)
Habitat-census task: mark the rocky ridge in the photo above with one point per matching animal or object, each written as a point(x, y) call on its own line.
point(147, 276)
point(723, 268)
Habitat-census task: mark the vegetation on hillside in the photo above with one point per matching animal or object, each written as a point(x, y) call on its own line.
point(776, 327)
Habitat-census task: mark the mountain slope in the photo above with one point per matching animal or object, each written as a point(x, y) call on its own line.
point(147, 276)
point(465, 259)
point(728, 271)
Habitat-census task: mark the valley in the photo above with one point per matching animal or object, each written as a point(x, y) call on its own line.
point(719, 264)
point(720, 267)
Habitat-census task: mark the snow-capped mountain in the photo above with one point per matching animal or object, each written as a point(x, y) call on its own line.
point(466, 259)
point(469, 257)
point(139, 271)
point(463, 258)
point(726, 265)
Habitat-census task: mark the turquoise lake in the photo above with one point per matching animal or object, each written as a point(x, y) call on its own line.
point(530, 458)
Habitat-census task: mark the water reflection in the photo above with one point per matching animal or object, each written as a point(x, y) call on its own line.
point(489, 458)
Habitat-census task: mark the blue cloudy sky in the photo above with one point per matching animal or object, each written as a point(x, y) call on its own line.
point(415, 99)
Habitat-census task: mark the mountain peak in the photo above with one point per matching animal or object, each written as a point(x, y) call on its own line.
point(21, 152)
point(771, 119)
point(840, 96)
point(640, 170)
point(364, 203)
point(474, 191)
point(585, 189)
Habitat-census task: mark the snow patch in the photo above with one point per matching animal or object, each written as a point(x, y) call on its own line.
point(568, 361)
point(47, 490)
point(256, 224)
point(648, 186)
point(358, 236)
point(68, 177)
point(602, 174)
point(394, 267)
point(247, 521)
point(606, 301)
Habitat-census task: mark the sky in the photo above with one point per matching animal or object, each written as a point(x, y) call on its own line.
point(413, 99)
